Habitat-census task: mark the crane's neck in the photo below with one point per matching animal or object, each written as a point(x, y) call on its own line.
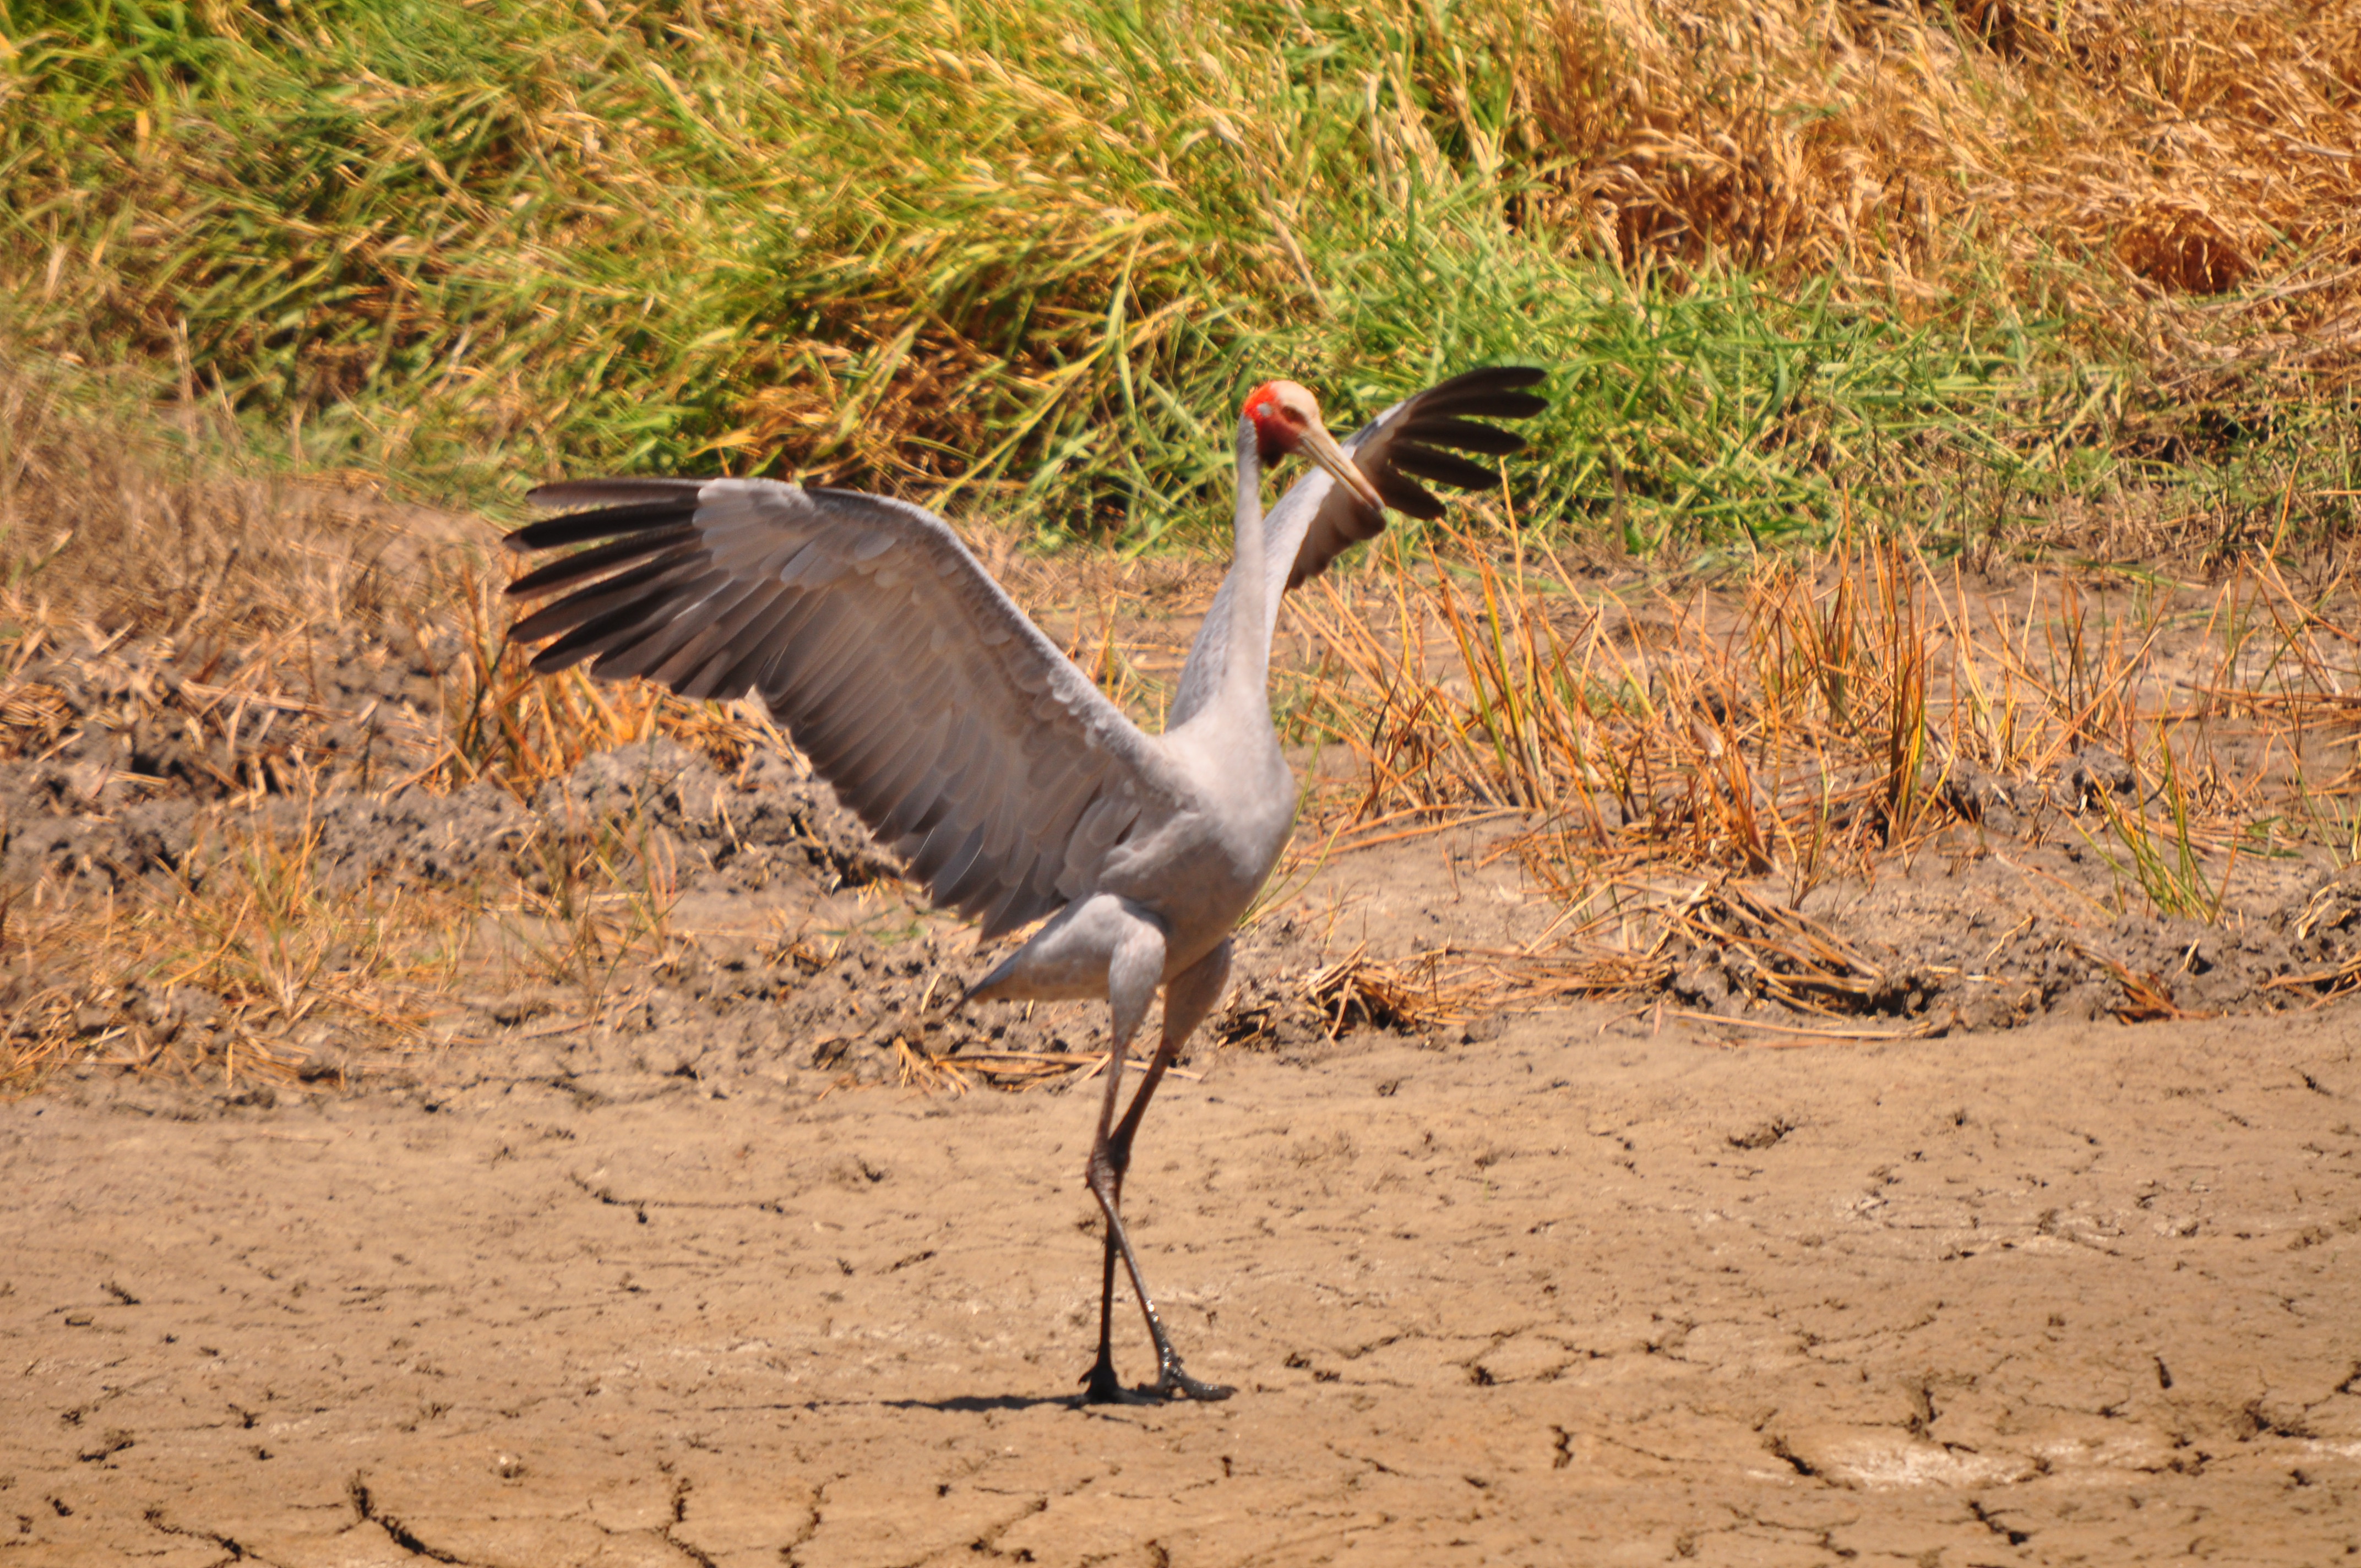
point(1247, 664)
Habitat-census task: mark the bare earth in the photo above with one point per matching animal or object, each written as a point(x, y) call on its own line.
point(2073, 1293)
point(683, 1274)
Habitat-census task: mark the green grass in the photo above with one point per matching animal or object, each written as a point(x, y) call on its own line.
point(997, 254)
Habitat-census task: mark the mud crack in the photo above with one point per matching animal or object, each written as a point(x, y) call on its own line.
point(640, 1206)
point(681, 1487)
point(1993, 1522)
point(811, 1524)
point(988, 1543)
point(236, 1552)
point(365, 1505)
point(1790, 1458)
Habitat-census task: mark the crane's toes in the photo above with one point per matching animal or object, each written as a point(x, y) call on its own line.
point(1178, 1385)
point(1101, 1387)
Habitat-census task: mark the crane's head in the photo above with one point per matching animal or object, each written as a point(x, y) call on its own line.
point(1286, 418)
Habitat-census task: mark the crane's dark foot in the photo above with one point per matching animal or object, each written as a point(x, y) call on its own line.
point(1102, 1387)
point(1178, 1385)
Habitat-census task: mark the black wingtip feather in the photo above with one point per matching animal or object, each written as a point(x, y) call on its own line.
point(1443, 467)
point(570, 569)
point(1494, 378)
point(634, 583)
point(1406, 496)
point(1496, 391)
point(1466, 435)
point(582, 527)
point(575, 494)
point(585, 641)
point(1484, 404)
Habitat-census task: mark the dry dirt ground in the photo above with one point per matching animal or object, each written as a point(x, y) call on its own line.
point(1597, 1289)
point(675, 1266)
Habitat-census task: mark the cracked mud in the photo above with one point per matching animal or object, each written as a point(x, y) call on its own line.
point(2079, 1292)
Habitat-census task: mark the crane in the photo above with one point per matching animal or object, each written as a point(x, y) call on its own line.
point(1012, 788)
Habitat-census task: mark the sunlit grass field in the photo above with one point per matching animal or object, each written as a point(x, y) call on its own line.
point(1960, 268)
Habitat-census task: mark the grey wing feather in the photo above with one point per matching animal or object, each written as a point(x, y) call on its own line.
point(940, 713)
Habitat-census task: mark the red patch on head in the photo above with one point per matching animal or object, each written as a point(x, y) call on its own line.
point(1277, 428)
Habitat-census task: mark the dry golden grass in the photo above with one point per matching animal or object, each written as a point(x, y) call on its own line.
point(118, 533)
point(1831, 710)
point(250, 962)
point(179, 630)
point(139, 527)
point(2187, 175)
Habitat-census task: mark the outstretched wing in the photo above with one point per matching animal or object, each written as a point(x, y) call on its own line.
point(941, 715)
point(1318, 518)
point(1418, 438)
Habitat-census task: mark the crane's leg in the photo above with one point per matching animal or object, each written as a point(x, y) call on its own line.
point(1187, 1000)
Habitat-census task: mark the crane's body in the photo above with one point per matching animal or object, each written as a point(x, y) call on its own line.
point(1231, 810)
point(1011, 786)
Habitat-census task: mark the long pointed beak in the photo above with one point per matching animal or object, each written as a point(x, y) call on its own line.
point(1322, 449)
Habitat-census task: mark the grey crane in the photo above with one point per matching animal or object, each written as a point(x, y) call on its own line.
point(1008, 784)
